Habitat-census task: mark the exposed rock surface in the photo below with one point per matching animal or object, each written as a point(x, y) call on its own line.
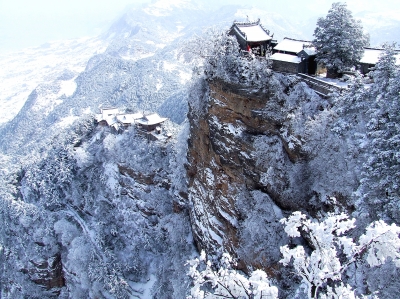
point(225, 179)
point(47, 273)
point(245, 173)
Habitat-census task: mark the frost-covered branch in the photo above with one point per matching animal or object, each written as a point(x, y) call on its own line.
point(226, 282)
point(330, 246)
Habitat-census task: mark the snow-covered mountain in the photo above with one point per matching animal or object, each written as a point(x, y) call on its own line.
point(136, 66)
point(23, 71)
point(89, 213)
point(382, 27)
point(101, 211)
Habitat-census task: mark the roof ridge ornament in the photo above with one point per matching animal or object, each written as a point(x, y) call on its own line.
point(249, 23)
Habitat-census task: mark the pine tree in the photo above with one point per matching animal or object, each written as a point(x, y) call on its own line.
point(381, 176)
point(339, 39)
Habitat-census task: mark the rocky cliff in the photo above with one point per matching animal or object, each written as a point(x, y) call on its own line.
point(247, 168)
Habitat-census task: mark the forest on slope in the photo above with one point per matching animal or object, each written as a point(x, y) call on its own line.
point(323, 157)
point(87, 213)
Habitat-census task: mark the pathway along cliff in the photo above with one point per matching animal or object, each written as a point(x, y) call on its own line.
point(244, 175)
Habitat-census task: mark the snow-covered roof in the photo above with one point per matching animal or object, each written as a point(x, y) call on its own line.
point(98, 117)
point(108, 113)
point(285, 57)
point(110, 119)
point(371, 56)
point(129, 118)
point(295, 46)
point(310, 51)
point(151, 119)
point(252, 31)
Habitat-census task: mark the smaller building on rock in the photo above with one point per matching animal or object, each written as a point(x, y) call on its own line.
point(252, 37)
point(107, 117)
point(112, 118)
point(150, 126)
point(151, 122)
point(294, 56)
point(128, 119)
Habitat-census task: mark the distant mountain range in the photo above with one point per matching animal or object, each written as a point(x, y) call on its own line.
point(155, 30)
point(133, 65)
point(381, 27)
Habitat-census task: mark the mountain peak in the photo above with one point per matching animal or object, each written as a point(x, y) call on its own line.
point(165, 7)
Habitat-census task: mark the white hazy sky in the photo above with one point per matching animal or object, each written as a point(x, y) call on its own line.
point(25, 23)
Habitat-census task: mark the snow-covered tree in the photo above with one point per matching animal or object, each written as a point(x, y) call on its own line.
point(226, 282)
point(332, 252)
point(381, 179)
point(219, 56)
point(339, 39)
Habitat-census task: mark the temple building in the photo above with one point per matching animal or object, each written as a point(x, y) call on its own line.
point(151, 122)
point(252, 37)
point(294, 56)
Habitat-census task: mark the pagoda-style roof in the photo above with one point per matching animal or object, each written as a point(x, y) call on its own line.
point(295, 46)
point(251, 31)
point(151, 119)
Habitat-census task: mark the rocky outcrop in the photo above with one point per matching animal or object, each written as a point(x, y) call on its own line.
point(226, 176)
point(250, 165)
point(47, 273)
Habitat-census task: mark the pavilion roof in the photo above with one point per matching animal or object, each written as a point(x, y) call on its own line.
point(151, 119)
point(252, 31)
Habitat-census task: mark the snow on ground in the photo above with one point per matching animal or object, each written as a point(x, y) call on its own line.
point(335, 82)
point(21, 72)
point(185, 76)
point(68, 87)
point(137, 57)
point(67, 121)
point(169, 66)
point(144, 288)
point(236, 131)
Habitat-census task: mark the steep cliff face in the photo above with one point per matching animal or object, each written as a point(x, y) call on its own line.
point(224, 176)
point(246, 171)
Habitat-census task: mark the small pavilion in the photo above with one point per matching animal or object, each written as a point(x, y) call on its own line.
point(151, 122)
